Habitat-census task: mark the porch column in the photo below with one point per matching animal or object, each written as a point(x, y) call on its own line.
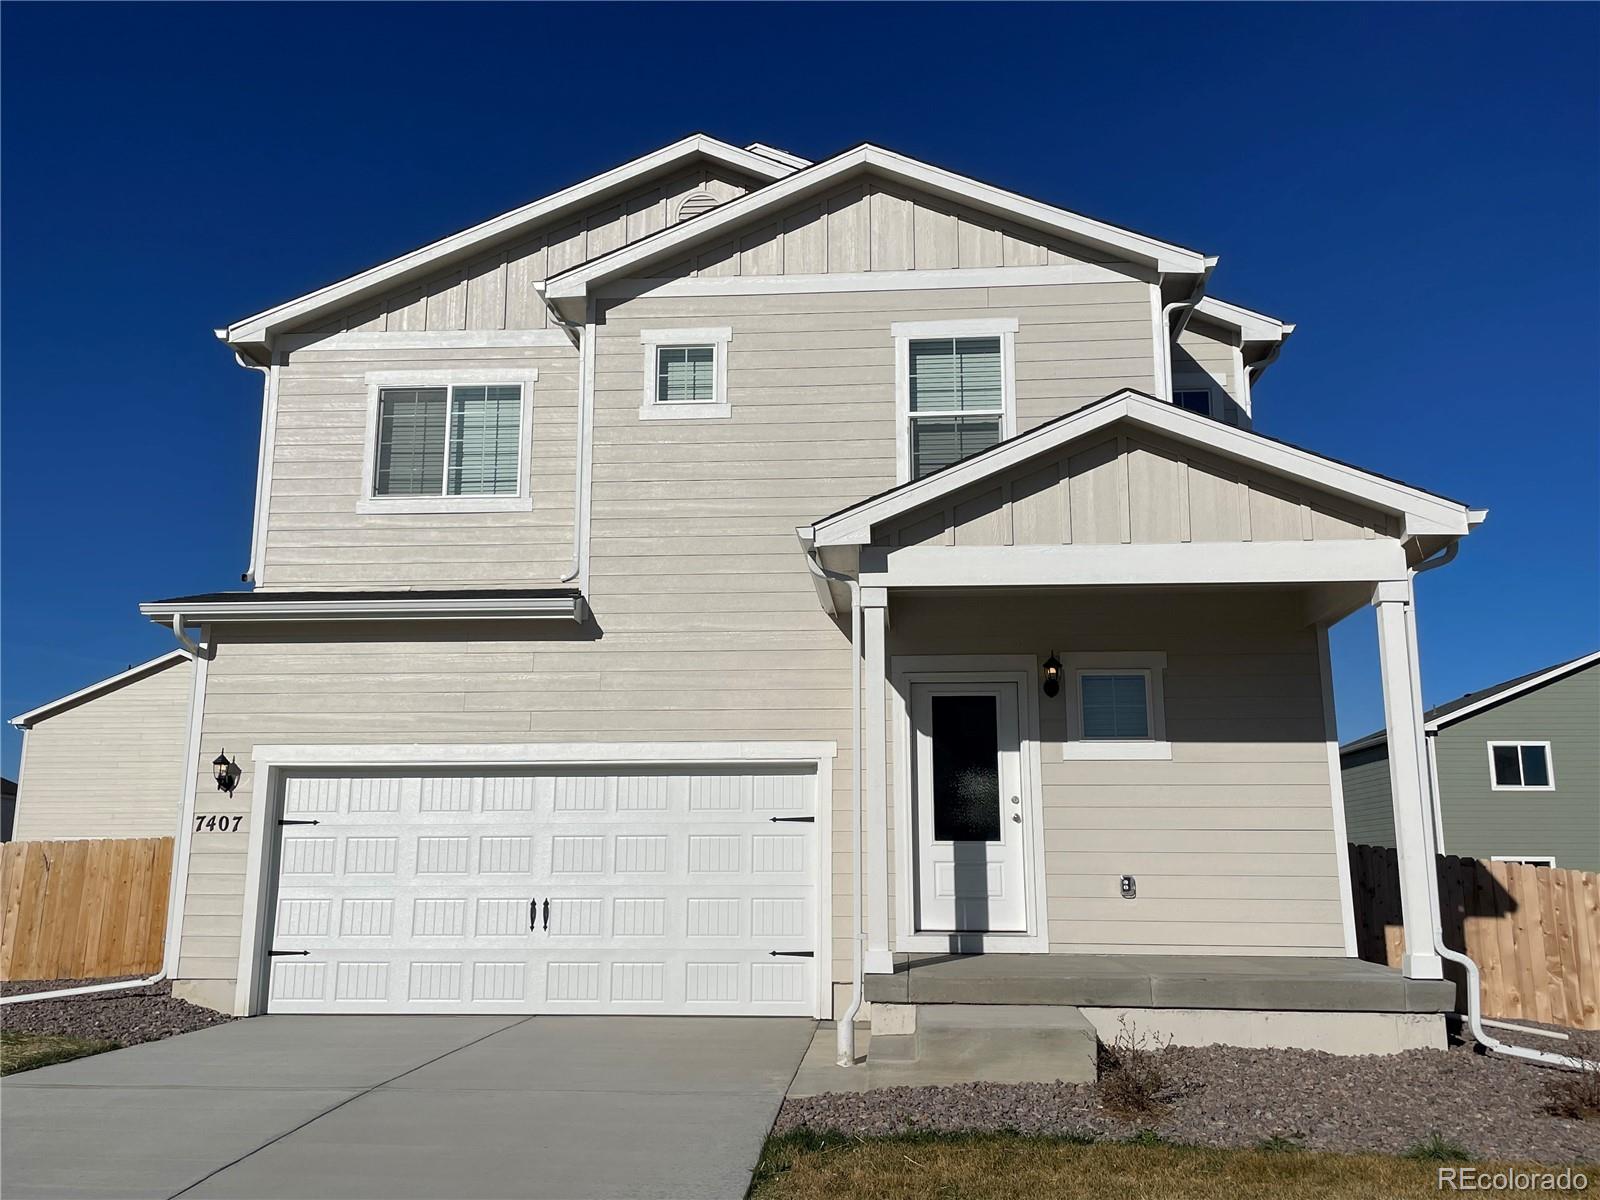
point(874, 620)
point(1402, 714)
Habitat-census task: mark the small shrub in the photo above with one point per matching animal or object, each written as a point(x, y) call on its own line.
point(1576, 1094)
point(1131, 1080)
point(1437, 1148)
point(1279, 1144)
point(1147, 1138)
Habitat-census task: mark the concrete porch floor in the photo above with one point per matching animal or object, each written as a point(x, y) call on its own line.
point(1257, 982)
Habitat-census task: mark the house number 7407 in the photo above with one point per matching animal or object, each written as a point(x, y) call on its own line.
point(217, 824)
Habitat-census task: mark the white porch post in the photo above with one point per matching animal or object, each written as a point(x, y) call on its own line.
point(874, 620)
point(1402, 712)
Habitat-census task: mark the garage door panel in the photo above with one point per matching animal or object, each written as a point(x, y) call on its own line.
point(573, 891)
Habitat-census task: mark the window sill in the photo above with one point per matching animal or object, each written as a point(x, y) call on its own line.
point(1522, 787)
point(415, 505)
point(1115, 751)
point(685, 412)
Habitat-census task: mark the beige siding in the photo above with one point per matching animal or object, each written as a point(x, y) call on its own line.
point(1113, 487)
point(111, 767)
point(1208, 355)
point(317, 539)
point(1232, 841)
point(495, 290)
point(876, 226)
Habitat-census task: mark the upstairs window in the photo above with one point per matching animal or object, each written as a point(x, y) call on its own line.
point(685, 374)
point(1195, 400)
point(956, 389)
point(448, 441)
point(1520, 766)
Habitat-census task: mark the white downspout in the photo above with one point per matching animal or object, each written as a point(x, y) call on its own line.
point(585, 349)
point(846, 1043)
point(1171, 331)
point(1430, 839)
point(261, 463)
point(169, 947)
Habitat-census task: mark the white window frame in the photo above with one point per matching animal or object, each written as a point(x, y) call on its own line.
point(1549, 766)
point(906, 332)
point(1531, 860)
point(653, 340)
point(1213, 410)
point(522, 501)
point(1152, 665)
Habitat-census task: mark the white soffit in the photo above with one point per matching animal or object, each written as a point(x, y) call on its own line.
point(1135, 247)
point(255, 329)
point(1424, 512)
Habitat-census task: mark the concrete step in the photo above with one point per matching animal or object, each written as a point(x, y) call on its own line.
point(996, 1043)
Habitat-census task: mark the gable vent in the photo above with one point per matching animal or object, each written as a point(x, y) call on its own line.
point(696, 203)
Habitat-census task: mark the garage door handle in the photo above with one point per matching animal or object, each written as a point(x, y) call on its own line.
point(533, 914)
point(547, 914)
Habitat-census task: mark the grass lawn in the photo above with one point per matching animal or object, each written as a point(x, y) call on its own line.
point(806, 1166)
point(24, 1051)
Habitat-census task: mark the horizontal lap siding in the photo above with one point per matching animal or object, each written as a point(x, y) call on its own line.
point(109, 768)
point(315, 537)
point(1368, 804)
point(1232, 841)
point(1207, 354)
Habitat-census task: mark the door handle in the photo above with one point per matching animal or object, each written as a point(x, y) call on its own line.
point(533, 914)
point(547, 914)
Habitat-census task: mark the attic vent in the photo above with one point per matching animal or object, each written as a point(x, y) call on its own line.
point(696, 203)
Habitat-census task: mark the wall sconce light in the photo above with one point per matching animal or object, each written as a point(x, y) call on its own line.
point(226, 771)
point(1051, 682)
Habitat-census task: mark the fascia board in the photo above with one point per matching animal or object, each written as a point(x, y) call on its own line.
point(570, 608)
point(109, 684)
point(1500, 697)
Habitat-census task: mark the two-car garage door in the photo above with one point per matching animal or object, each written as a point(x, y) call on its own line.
point(680, 890)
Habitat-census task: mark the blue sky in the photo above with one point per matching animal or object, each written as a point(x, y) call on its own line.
point(1418, 187)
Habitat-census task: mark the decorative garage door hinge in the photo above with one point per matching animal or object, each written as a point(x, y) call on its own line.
point(287, 953)
point(807, 820)
point(288, 822)
point(792, 953)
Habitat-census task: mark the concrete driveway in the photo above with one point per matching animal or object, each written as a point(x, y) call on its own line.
point(466, 1108)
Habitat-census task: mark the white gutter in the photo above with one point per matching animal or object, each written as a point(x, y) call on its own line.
point(261, 606)
point(1430, 840)
point(845, 1044)
point(175, 892)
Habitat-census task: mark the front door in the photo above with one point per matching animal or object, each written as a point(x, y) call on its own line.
point(967, 793)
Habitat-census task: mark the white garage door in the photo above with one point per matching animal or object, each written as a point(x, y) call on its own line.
point(681, 890)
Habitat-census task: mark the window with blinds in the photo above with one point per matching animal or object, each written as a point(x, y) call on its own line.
point(686, 375)
point(957, 393)
point(457, 441)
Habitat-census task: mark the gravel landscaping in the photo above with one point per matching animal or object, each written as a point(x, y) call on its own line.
point(1221, 1096)
point(145, 1014)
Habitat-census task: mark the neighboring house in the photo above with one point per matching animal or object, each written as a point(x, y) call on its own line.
point(543, 699)
point(107, 761)
point(1515, 771)
point(8, 808)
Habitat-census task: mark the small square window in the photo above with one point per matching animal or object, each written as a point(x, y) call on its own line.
point(1195, 400)
point(1115, 707)
point(1520, 766)
point(686, 375)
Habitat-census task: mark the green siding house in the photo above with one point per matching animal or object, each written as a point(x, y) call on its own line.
point(1515, 771)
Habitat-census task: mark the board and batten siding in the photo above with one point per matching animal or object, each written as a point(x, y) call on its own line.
point(111, 767)
point(315, 538)
point(1232, 841)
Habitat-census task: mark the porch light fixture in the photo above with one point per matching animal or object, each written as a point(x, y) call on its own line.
point(226, 771)
point(1051, 682)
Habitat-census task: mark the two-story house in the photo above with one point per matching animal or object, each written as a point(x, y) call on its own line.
point(736, 584)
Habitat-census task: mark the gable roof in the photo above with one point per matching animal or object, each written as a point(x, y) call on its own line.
point(1462, 707)
point(254, 330)
point(1253, 327)
point(111, 683)
point(1135, 247)
point(1422, 512)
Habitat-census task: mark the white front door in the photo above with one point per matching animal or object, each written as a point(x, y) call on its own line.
point(968, 804)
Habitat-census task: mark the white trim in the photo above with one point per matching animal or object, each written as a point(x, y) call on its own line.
point(193, 740)
point(109, 684)
point(1506, 693)
point(256, 329)
point(1115, 564)
point(1146, 251)
point(1198, 383)
point(654, 341)
point(906, 332)
point(520, 376)
point(1432, 741)
point(584, 519)
point(1341, 836)
point(264, 472)
point(1021, 669)
point(878, 958)
point(1424, 512)
point(777, 155)
point(1532, 860)
point(864, 281)
point(262, 607)
point(1549, 765)
point(417, 339)
point(1251, 326)
point(1152, 665)
point(272, 761)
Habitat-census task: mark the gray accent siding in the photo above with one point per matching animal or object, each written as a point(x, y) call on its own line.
point(1368, 804)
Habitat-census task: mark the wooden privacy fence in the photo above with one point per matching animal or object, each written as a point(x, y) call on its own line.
point(84, 909)
point(1533, 931)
